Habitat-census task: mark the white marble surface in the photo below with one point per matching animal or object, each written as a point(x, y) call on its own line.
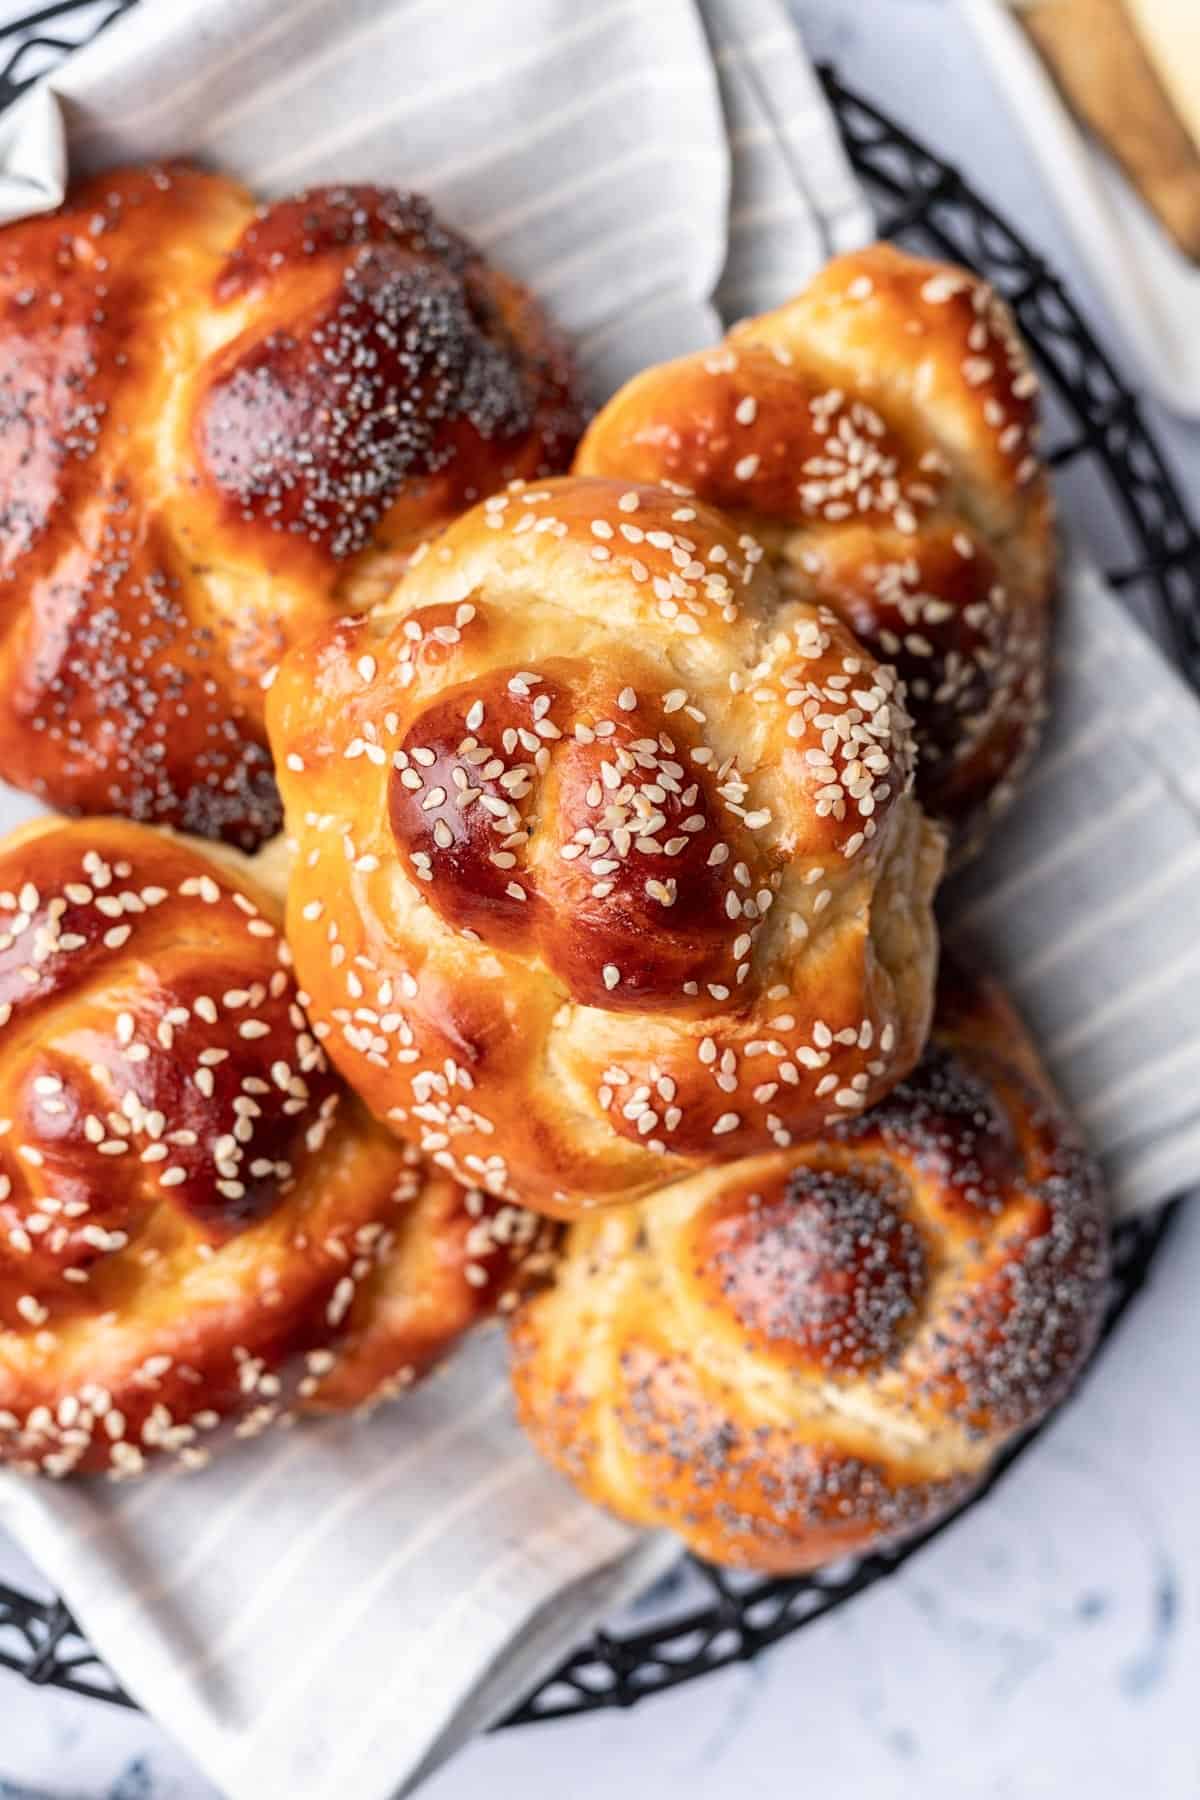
point(1049, 1644)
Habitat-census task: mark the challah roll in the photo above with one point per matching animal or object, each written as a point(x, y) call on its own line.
point(607, 867)
point(224, 426)
point(878, 435)
point(199, 1229)
point(822, 1348)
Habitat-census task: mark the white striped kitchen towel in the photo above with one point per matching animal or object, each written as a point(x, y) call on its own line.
point(336, 1609)
point(327, 1614)
point(1085, 897)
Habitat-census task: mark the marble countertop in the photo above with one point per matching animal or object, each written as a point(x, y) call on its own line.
point(1049, 1643)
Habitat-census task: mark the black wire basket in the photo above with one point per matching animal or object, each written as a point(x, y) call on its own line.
point(1114, 483)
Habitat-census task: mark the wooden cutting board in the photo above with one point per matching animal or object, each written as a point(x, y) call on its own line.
point(1130, 71)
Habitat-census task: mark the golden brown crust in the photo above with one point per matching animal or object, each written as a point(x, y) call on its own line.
point(823, 1348)
point(223, 426)
point(198, 1227)
point(878, 434)
point(606, 862)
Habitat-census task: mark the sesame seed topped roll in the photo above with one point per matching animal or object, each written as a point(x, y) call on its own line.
point(878, 435)
point(607, 866)
point(223, 426)
point(823, 1348)
point(201, 1233)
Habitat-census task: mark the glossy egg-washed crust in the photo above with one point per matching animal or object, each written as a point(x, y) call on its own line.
point(818, 1350)
point(878, 435)
point(607, 866)
point(201, 1233)
point(221, 426)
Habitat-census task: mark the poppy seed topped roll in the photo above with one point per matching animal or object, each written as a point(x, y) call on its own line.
point(223, 426)
point(823, 1348)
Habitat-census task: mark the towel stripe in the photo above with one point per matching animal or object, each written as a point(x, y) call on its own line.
point(337, 1626)
point(1123, 908)
point(1086, 836)
point(403, 1686)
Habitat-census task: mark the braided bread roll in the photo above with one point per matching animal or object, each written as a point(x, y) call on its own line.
point(824, 1348)
point(877, 434)
point(225, 425)
point(198, 1227)
point(607, 867)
